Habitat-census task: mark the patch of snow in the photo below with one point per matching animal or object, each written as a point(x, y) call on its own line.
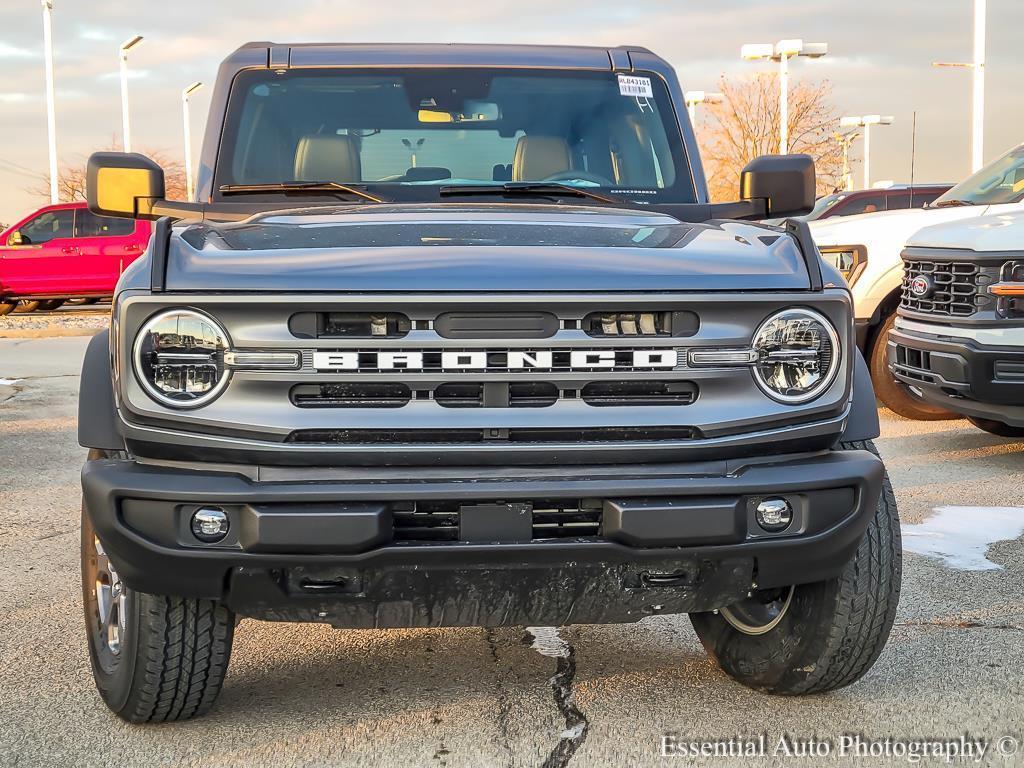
point(575, 732)
point(9, 382)
point(547, 642)
point(960, 536)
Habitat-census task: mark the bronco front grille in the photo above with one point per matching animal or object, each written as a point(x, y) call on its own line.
point(955, 288)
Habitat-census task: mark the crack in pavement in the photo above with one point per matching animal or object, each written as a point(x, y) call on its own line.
point(958, 624)
point(503, 705)
point(547, 641)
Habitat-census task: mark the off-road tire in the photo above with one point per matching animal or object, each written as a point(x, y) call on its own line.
point(173, 654)
point(25, 307)
point(994, 427)
point(894, 394)
point(833, 631)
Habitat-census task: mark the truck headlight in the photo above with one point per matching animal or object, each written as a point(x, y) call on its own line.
point(179, 358)
point(850, 260)
point(797, 355)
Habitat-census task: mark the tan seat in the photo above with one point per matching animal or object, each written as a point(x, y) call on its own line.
point(327, 157)
point(538, 157)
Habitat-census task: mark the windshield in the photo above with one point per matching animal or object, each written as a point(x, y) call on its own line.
point(1000, 182)
point(406, 133)
point(823, 204)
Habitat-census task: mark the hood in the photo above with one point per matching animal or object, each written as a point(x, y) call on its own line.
point(503, 247)
point(898, 225)
point(1000, 232)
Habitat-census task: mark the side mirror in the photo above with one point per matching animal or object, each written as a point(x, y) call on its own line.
point(784, 182)
point(124, 184)
point(15, 238)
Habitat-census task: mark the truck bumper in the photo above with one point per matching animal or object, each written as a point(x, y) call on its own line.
point(960, 374)
point(483, 546)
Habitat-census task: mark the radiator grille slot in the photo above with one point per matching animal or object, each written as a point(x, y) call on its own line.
point(617, 393)
point(552, 519)
point(351, 395)
point(522, 394)
point(641, 323)
point(526, 435)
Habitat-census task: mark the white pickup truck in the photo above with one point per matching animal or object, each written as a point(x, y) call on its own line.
point(959, 336)
point(867, 248)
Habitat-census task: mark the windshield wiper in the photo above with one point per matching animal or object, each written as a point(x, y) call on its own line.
point(951, 203)
point(528, 188)
point(304, 187)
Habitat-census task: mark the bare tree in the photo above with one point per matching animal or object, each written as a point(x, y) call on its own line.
point(71, 177)
point(746, 124)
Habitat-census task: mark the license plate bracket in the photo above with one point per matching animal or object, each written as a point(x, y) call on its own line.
point(496, 523)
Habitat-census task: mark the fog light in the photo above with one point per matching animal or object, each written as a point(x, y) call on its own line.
point(774, 515)
point(210, 524)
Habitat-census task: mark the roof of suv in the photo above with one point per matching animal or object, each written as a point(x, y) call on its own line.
point(468, 54)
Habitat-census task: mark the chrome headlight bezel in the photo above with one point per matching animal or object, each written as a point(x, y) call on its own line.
point(224, 344)
point(830, 375)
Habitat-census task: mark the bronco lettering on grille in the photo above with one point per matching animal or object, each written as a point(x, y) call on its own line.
point(496, 361)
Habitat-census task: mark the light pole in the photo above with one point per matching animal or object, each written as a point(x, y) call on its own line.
point(693, 98)
point(977, 87)
point(845, 140)
point(186, 123)
point(51, 117)
point(782, 52)
point(865, 122)
point(126, 131)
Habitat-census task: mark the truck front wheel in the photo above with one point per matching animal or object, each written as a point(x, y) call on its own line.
point(817, 637)
point(154, 658)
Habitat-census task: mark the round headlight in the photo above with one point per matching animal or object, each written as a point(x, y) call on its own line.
point(179, 358)
point(797, 355)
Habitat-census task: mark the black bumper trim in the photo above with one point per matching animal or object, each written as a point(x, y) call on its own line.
point(383, 572)
point(962, 376)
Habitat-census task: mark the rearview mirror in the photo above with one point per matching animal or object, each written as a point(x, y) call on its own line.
point(785, 182)
point(124, 184)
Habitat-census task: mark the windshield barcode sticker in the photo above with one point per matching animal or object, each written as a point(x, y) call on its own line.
point(630, 85)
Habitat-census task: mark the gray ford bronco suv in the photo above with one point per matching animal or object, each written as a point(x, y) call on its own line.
point(451, 336)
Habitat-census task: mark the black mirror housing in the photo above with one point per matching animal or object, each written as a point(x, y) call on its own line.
point(785, 182)
point(124, 184)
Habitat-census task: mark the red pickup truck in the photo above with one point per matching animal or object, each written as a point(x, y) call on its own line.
point(64, 252)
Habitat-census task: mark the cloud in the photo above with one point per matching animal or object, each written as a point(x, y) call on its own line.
point(8, 51)
point(94, 34)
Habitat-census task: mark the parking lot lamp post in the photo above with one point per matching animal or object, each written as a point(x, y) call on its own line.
point(846, 140)
point(186, 123)
point(977, 86)
point(51, 118)
point(782, 52)
point(865, 122)
point(126, 132)
point(693, 98)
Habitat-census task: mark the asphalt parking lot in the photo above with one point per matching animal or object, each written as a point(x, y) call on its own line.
point(308, 695)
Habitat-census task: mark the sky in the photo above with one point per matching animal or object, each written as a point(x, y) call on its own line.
point(880, 55)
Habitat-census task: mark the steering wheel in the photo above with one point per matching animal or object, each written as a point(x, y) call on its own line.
point(569, 175)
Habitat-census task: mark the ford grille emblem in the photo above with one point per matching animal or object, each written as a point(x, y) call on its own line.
point(920, 286)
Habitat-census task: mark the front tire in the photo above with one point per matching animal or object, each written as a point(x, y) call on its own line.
point(817, 637)
point(895, 395)
point(994, 427)
point(154, 658)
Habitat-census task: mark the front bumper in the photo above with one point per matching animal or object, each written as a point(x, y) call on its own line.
point(960, 373)
point(670, 538)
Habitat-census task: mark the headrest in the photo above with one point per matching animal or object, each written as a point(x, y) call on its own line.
point(538, 157)
point(327, 157)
